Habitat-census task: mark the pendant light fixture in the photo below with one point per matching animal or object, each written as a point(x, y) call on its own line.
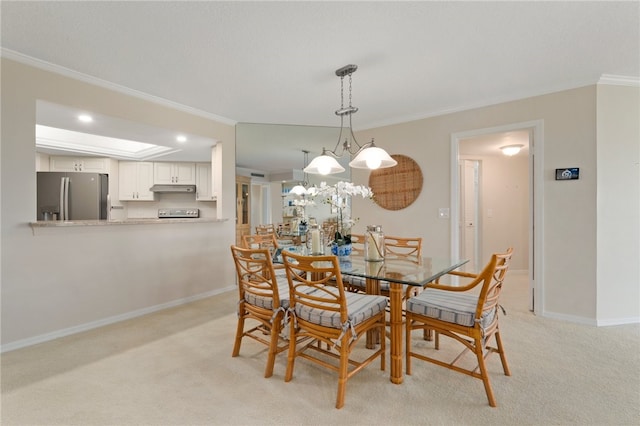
point(301, 188)
point(367, 156)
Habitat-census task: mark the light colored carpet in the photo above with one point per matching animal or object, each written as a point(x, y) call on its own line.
point(174, 368)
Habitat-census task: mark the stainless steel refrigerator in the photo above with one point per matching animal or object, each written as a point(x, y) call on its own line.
point(72, 196)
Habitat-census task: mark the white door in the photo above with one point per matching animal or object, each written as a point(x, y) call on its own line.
point(469, 226)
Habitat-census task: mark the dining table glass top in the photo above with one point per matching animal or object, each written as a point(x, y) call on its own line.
point(409, 270)
point(400, 269)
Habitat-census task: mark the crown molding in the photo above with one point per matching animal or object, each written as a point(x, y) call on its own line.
point(48, 66)
point(604, 79)
point(619, 80)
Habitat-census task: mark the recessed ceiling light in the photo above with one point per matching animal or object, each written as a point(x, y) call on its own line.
point(85, 118)
point(181, 138)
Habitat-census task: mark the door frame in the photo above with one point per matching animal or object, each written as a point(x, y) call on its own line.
point(536, 199)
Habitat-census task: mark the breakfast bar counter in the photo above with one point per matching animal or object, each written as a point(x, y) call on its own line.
point(141, 221)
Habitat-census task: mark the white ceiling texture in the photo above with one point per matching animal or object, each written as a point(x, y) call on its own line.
point(274, 62)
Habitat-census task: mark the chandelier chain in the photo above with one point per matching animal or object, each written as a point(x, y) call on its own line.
point(342, 92)
point(349, 89)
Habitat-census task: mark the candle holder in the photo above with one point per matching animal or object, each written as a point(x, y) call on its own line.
point(374, 244)
point(315, 240)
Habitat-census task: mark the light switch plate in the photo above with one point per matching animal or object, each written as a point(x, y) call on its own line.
point(443, 213)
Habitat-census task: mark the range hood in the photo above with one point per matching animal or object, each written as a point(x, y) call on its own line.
point(174, 188)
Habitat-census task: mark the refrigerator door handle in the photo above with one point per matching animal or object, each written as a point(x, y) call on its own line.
point(62, 198)
point(66, 198)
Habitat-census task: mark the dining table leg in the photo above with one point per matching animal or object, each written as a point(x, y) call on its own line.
point(395, 325)
point(373, 336)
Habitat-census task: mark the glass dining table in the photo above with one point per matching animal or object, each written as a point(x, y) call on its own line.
point(397, 271)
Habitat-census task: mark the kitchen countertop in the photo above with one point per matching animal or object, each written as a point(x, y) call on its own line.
point(149, 221)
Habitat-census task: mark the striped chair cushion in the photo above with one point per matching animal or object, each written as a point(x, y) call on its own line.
point(281, 275)
point(360, 307)
point(358, 282)
point(457, 308)
point(266, 302)
point(361, 283)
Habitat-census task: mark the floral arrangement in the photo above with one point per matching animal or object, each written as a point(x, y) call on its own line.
point(337, 196)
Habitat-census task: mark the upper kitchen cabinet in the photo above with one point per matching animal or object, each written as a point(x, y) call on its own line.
point(171, 173)
point(204, 183)
point(79, 164)
point(135, 179)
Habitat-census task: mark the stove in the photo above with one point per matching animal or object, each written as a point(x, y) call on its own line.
point(189, 213)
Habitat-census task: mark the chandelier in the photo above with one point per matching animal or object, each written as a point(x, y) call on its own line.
point(301, 187)
point(367, 156)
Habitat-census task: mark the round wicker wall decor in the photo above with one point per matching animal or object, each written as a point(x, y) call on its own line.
point(397, 187)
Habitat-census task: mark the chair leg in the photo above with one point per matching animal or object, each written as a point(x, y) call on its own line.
point(427, 334)
point(503, 357)
point(239, 333)
point(407, 345)
point(483, 372)
point(342, 373)
point(291, 353)
point(276, 327)
point(383, 347)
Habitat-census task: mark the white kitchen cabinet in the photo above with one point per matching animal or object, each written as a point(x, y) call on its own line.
point(172, 173)
point(79, 164)
point(204, 183)
point(135, 179)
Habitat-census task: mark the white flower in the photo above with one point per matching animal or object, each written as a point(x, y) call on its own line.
point(304, 202)
point(343, 189)
point(337, 195)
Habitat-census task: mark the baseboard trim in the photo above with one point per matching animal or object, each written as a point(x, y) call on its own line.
point(19, 344)
point(618, 321)
point(570, 318)
point(593, 322)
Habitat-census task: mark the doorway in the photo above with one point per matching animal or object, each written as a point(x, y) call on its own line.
point(243, 208)
point(464, 239)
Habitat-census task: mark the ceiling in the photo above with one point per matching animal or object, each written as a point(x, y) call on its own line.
point(274, 62)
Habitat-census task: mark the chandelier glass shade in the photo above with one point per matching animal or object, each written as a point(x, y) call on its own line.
point(301, 188)
point(324, 165)
point(367, 156)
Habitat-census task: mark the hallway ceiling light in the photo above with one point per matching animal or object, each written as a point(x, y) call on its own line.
point(367, 156)
point(511, 150)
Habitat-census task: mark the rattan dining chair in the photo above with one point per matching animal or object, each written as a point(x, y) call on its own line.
point(262, 301)
point(265, 229)
point(407, 248)
point(357, 243)
point(265, 241)
point(402, 246)
point(466, 313)
point(333, 318)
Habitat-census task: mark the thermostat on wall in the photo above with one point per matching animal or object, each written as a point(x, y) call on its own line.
point(568, 174)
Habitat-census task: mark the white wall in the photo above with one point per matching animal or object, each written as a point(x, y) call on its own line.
point(56, 281)
point(109, 273)
point(618, 197)
point(570, 216)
